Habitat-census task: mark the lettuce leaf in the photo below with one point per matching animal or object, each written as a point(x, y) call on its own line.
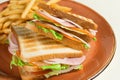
point(37, 17)
point(86, 46)
point(52, 73)
point(44, 29)
point(79, 67)
point(95, 39)
point(7, 41)
point(16, 61)
point(55, 67)
point(57, 72)
point(57, 35)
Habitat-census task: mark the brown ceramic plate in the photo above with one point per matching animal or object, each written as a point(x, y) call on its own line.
point(98, 57)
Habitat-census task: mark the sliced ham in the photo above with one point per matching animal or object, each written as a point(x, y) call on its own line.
point(93, 32)
point(68, 61)
point(74, 23)
point(13, 46)
point(55, 19)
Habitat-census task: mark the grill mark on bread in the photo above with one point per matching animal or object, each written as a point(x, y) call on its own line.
point(32, 48)
point(29, 44)
point(22, 30)
point(43, 39)
point(50, 43)
point(39, 38)
point(28, 36)
point(35, 47)
point(52, 47)
point(47, 41)
point(29, 40)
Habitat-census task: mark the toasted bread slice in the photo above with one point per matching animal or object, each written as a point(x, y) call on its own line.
point(80, 20)
point(34, 47)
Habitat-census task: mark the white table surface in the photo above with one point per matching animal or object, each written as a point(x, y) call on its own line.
point(110, 10)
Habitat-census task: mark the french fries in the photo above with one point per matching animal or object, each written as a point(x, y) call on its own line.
point(3, 19)
point(52, 2)
point(17, 13)
point(28, 8)
point(62, 8)
point(13, 14)
point(1, 26)
point(7, 24)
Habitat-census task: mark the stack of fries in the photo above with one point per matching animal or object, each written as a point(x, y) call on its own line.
point(18, 12)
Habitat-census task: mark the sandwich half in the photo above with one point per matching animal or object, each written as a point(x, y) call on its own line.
point(63, 26)
point(39, 57)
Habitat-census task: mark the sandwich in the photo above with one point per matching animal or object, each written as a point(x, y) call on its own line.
point(63, 26)
point(51, 43)
point(39, 57)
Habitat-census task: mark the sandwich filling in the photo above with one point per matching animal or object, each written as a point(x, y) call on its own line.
point(61, 28)
point(42, 15)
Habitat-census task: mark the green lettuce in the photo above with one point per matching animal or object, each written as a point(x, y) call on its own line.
point(16, 61)
point(52, 73)
point(44, 29)
point(31, 22)
point(58, 71)
point(86, 46)
point(7, 41)
point(37, 17)
point(79, 67)
point(55, 67)
point(95, 39)
point(55, 34)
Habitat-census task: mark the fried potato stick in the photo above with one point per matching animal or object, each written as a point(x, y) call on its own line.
point(27, 9)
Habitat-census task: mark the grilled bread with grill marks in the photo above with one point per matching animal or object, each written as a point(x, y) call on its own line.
point(34, 47)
